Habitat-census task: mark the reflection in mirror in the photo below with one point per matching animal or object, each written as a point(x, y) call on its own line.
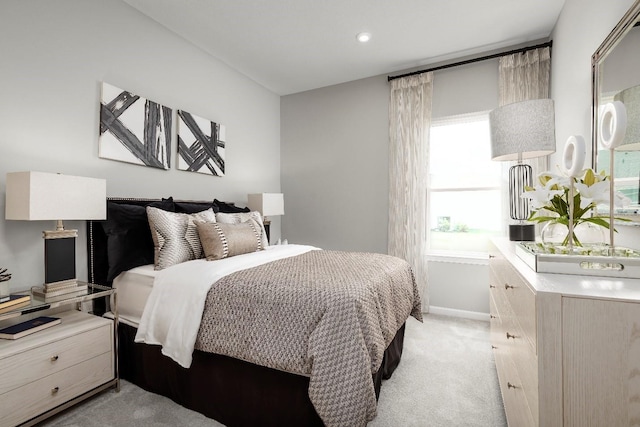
point(616, 77)
point(627, 155)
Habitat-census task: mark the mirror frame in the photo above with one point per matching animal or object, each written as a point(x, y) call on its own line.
point(624, 25)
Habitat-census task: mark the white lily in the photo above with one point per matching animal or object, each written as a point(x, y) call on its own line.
point(550, 180)
point(540, 196)
point(596, 193)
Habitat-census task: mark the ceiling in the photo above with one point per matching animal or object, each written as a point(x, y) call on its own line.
point(290, 46)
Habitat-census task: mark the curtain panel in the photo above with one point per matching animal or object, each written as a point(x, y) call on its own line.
point(524, 76)
point(409, 127)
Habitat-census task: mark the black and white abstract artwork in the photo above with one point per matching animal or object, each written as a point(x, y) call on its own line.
point(201, 145)
point(134, 129)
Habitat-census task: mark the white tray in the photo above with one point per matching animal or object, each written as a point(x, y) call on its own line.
point(590, 261)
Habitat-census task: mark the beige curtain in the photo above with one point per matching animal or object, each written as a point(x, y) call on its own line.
point(524, 76)
point(409, 125)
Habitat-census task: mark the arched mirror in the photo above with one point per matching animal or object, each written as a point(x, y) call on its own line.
point(616, 77)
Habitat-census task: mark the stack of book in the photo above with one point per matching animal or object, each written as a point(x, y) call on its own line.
point(13, 302)
point(59, 291)
point(28, 327)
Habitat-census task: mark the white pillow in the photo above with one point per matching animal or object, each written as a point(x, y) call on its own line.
point(240, 217)
point(175, 236)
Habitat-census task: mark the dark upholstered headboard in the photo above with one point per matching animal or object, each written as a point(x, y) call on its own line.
point(120, 215)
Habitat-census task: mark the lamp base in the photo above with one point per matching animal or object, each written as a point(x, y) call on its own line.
point(522, 232)
point(59, 255)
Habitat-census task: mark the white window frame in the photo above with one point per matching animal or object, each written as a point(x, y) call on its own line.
point(465, 257)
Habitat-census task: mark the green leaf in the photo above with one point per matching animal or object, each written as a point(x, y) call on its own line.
point(540, 219)
point(597, 221)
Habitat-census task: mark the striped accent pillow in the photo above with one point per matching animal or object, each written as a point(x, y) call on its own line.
point(240, 217)
point(226, 240)
point(175, 236)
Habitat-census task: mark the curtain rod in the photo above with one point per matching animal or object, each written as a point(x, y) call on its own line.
point(470, 61)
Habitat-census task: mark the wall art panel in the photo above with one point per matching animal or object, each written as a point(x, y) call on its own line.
point(134, 129)
point(201, 145)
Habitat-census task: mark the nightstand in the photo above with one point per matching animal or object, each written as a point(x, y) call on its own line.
point(50, 370)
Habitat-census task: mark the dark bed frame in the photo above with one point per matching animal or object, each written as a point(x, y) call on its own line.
point(231, 391)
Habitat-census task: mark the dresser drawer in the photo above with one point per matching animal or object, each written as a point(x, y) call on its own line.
point(513, 394)
point(496, 290)
point(42, 395)
point(497, 335)
point(523, 303)
point(24, 367)
point(525, 363)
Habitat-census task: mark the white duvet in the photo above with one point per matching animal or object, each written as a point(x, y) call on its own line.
point(172, 314)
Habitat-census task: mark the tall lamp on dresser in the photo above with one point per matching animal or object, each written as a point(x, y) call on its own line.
point(41, 196)
point(522, 130)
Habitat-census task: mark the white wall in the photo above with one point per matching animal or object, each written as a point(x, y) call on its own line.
point(55, 54)
point(335, 158)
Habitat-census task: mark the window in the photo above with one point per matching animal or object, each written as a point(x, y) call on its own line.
point(464, 195)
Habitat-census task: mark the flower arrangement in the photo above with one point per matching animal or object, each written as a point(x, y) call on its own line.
point(551, 200)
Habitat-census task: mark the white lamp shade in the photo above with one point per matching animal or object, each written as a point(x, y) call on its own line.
point(631, 99)
point(34, 196)
point(523, 129)
point(268, 204)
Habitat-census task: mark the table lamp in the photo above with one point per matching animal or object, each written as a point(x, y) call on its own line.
point(40, 196)
point(522, 130)
point(268, 204)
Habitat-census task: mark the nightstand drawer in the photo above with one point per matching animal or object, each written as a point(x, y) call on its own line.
point(39, 396)
point(27, 366)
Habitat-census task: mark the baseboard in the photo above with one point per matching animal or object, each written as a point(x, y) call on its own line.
point(444, 311)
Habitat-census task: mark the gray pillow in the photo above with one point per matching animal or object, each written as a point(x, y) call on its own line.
point(226, 240)
point(175, 236)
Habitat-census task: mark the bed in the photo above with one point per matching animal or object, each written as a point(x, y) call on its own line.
point(254, 372)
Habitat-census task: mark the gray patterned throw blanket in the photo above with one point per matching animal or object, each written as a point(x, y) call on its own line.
point(327, 315)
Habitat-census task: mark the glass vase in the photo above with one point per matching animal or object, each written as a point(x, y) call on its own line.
point(584, 234)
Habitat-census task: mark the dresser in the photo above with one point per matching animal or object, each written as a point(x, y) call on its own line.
point(566, 347)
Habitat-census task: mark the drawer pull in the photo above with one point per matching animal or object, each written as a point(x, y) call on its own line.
point(491, 316)
point(511, 336)
point(491, 256)
point(492, 286)
point(509, 385)
point(54, 358)
point(493, 347)
point(506, 286)
point(55, 390)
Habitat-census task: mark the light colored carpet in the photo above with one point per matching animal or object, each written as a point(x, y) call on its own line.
point(446, 377)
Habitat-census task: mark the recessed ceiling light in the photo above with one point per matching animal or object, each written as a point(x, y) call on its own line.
point(363, 37)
